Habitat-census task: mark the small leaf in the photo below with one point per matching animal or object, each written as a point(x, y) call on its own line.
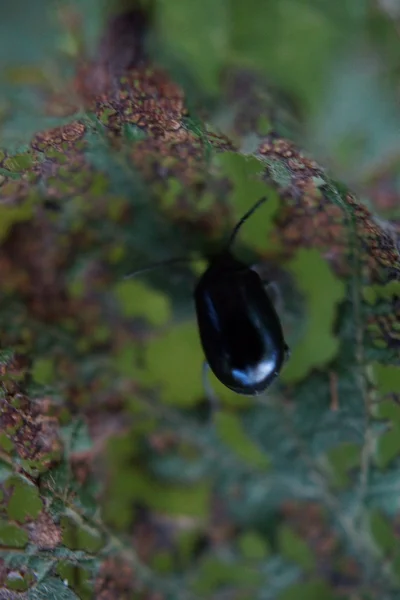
point(43, 371)
point(387, 378)
point(388, 410)
point(382, 532)
point(170, 196)
point(294, 548)
point(388, 447)
point(25, 503)
point(253, 546)
point(162, 562)
point(18, 162)
point(12, 536)
point(342, 458)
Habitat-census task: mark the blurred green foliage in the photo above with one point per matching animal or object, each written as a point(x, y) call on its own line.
point(129, 140)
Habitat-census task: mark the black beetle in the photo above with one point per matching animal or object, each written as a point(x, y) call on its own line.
point(240, 331)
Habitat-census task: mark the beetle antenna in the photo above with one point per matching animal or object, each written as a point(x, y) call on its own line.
point(162, 263)
point(243, 220)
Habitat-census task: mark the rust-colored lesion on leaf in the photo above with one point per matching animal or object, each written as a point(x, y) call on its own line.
point(33, 435)
point(44, 532)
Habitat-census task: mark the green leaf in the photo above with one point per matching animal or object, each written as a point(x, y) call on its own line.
point(387, 409)
point(77, 577)
point(291, 42)
point(294, 548)
point(313, 590)
point(215, 574)
point(24, 503)
point(191, 500)
point(138, 300)
point(12, 536)
point(174, 361)
point(18, 162)
point(389, 291)
point(131, 485)
point(387, 378)
point(43, 371)
point(77, 535)
point(388, 447)
point(253, 546)
point(343, 458)
point(230, 431)
point(382, 532)
point(323, 291)
point(163, 562)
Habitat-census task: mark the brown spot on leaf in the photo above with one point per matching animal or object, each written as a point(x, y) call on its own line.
point(33, 434)
point(69, 134)
point(73, 131)
point(44, 533)
point(115, 580)
point(30, 261)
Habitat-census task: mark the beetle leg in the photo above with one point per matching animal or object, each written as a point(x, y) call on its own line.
point(210, 394)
